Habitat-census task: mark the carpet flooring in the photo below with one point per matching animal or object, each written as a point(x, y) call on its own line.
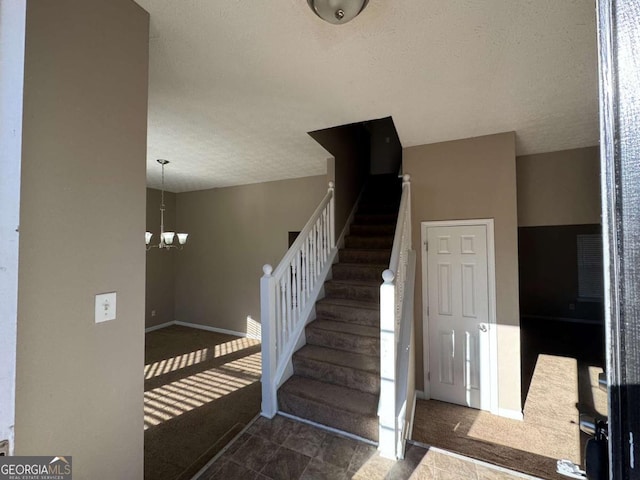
point(561, 388)
point(201, 389)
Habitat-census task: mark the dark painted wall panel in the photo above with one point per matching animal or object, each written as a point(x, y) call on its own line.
point(548, 266)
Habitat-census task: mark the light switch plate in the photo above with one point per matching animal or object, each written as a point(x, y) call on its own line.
point(105, 307)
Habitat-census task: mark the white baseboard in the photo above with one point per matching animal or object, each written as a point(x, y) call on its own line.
point(158, 327)
point(215, 329)
point(420, 395)
point(509, 413)
point(201, 327)
point(413, 416)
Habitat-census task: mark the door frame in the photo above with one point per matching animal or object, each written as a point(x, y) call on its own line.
point(12, 51)
point(491, 293)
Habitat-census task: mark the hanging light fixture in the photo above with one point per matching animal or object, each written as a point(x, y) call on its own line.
point(166, 238)
point(337, 11)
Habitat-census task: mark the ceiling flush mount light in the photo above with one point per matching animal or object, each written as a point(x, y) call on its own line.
point(337, 11)
point(166, 238)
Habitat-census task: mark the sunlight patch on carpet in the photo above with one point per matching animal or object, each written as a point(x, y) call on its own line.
point(550, 426)
point(181, 396)
point(178, 362)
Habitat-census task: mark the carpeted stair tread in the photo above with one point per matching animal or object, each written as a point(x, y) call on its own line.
point(365, 255)
point(379, 207)
point(375, 219)
point(356, 361)
point(353, 289)
point(349, 311)
point(367, 250)
point(353, 401)
point(345, 328)
point(345, 302)
point(359, 283)
point(335, 406)
point(365, 229)
point(345, 336)
point(369, 241)
point(358, 271)
point(338, 367)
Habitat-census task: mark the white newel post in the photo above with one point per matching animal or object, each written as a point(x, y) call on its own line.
point(406, 184)
point(387, 405)
point(332, 215)
point(269, 348)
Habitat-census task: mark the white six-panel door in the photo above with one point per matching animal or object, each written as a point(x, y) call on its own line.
point(458, 315)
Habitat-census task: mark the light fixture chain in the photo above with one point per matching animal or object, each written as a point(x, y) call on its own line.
point(162, 208)
point(166, 243)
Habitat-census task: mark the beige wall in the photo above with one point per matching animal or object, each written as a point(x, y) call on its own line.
point(233, 232)
point(559, 188)
point(161, 264)
point(79, 384)
point(467, 179)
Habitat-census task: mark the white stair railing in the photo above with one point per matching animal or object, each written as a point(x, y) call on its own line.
point(397, 359)
point(288, 295)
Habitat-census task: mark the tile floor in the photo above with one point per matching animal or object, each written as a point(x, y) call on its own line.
point(283, 449)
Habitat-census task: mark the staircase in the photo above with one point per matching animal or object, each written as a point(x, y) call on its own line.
point(336, 380)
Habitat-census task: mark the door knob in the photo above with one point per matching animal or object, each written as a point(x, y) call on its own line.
point(482, 327)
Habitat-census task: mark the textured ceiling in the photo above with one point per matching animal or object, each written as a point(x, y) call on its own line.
point(236, 84)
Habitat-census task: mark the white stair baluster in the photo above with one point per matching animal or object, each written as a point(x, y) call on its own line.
point(283, 312)
point(294, 291)
point(301, 300)
point(285, 295)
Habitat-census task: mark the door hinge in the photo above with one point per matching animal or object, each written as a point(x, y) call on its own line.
point(427, 310)
point(428, 376)
point(426, 246)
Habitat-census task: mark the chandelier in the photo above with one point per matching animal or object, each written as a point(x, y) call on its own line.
point(166, 238)
point(337, 11)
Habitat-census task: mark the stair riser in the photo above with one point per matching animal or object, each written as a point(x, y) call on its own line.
point(361, 219)
point(368, 382)
point(338, 313)
point(381, 257)
point(366, 427)
point(381, 193)
point(363, 272)
point(368, 242)
point(377, 208)
point(352, 292)
point(372, 230)
point(343, 341)
point(378, 197)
